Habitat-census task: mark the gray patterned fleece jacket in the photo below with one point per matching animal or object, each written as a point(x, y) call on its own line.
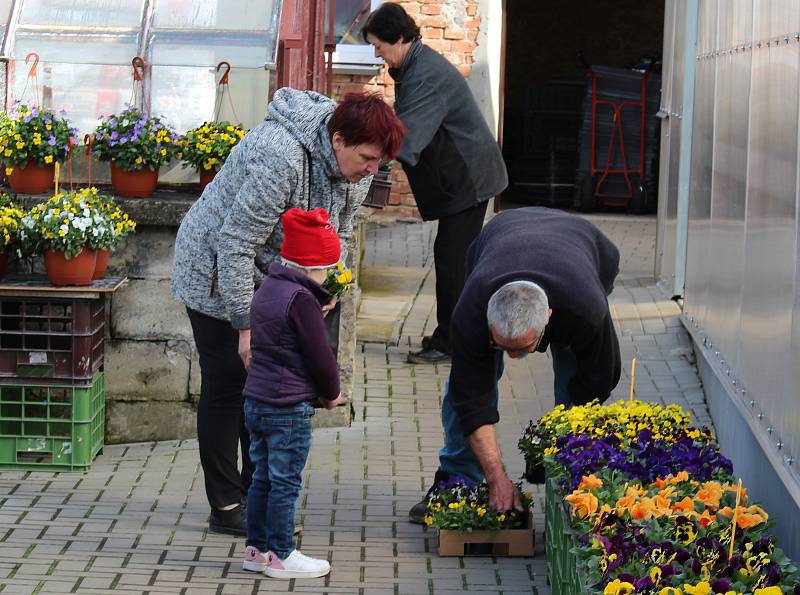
point(232, 233)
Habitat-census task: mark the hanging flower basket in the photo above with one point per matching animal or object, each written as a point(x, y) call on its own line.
point(136, 146)
point(206, 176)
point(133, 184)
point(32, 178)
point(207, 147)
point(63, 271)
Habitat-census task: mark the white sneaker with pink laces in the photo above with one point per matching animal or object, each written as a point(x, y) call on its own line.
point(254, 561)
point(295, 565)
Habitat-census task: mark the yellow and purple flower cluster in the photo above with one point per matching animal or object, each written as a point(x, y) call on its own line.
point(207, 147)
point(464, 505)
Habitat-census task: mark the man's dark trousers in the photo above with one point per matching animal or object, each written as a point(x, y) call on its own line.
point(453, 238)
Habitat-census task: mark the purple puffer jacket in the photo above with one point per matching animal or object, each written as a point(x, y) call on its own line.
point(289, 366)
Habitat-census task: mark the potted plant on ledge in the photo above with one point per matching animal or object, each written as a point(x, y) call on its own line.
point(69, 228)
point(136, 146)
point(31, 143)
point(207, 147)
point(10, 217)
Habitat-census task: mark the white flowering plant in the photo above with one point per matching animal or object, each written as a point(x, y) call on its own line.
point(71, 220)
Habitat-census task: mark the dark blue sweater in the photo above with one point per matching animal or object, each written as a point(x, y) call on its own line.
point(576, 265)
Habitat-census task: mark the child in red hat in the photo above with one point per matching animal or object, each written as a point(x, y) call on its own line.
point(293, 367)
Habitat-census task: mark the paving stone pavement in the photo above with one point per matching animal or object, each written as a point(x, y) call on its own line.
point(136, 523)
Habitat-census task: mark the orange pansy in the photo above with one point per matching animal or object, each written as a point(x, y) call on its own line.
point(590, 482)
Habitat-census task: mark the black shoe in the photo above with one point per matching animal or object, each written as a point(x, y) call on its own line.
point(427, 342)
point(428, 356)
point(229, 522)
point(417, 513)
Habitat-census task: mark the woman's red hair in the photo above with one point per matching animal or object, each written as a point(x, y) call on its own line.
point(365, 118)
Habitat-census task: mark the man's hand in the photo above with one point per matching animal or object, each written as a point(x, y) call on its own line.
point(244, 347)
point(503, 494)
point(328, 307)
point(331, 404)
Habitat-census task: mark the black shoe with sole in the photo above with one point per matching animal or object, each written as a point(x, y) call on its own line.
point(417, 513)
point(428, 356)
point(229, 522)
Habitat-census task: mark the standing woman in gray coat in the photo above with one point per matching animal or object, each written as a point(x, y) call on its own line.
point(308, 153)
point(452, 160)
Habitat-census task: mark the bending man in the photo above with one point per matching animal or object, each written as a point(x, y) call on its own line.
point(536, 278)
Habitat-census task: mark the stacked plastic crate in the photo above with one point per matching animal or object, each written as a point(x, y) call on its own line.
point(52, 397)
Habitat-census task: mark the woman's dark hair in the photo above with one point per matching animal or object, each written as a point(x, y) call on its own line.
point(365, 118)
point(390, 23)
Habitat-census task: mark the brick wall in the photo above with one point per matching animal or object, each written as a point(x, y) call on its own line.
point(451, 28)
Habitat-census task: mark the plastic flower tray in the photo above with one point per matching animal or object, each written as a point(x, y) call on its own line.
point(563, 566)
point(504, 542)
point(56, 340)
point(50, 427)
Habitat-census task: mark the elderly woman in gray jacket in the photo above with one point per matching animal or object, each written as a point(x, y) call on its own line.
point(451, 158)
point(308, 153)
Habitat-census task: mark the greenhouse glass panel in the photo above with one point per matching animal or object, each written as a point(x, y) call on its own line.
point(85, 89)
point(201, 49)
point(82, 13)
point(349, 18)
point(187, 96)
point(231, 15)
point(5, 13)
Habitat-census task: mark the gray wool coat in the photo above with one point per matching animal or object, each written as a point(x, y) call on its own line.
point(232, 233)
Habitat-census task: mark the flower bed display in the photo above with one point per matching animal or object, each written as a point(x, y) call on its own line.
point(639, 501)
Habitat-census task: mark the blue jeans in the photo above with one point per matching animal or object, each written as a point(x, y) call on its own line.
point(280, 438)
point(456, 456)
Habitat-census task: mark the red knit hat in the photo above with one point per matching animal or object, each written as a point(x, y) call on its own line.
point(309, 240)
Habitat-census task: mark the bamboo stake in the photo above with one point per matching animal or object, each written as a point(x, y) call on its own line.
point(58, 172)
point(633, 375)
point(735, 513)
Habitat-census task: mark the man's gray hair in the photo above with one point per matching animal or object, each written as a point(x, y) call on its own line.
point(517, 308)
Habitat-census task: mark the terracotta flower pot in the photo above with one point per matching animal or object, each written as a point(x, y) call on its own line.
point(101, 263)
point(32, 179)
point(70, 271)
point(133, 184)
point(206, 175)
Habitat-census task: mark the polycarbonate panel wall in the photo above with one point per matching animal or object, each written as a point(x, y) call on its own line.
point(742, 266)
point(86, 48)
point(671, 113)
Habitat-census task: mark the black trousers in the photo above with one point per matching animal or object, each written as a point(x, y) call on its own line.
point(453, 238)
point(220, 412)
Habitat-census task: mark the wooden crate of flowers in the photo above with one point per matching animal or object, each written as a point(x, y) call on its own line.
point(468, 526)
point(640, 501)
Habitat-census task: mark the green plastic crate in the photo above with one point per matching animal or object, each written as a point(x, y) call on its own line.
point(51, 427)
point(563, 569)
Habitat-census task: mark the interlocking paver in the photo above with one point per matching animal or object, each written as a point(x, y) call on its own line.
point(137, 522)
